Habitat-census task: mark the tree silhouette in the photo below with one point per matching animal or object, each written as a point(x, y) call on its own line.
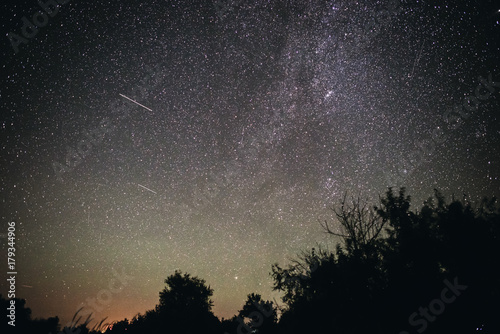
point(393, 268)
point(262, 314)
point(431, 270)
point(185, 305)
point(360, 226)
point(23, 321)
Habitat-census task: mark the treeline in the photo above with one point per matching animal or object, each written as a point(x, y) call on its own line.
point(432, 270)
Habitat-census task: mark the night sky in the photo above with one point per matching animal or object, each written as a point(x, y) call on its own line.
point(252, 119)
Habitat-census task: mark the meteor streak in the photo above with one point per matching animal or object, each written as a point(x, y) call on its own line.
point(140, 185)
point(128, 98)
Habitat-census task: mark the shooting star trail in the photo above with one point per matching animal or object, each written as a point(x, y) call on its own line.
point(128, 98)
point(140, 185)
point(417, 59)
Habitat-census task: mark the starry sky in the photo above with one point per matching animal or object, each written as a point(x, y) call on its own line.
point(211, 136)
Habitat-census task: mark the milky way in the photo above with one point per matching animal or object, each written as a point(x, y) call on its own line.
point(211, 137)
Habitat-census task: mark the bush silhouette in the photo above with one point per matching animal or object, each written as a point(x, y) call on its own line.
point(431, 270)
point(393, 261)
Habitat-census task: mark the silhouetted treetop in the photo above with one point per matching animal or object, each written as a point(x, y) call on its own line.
point(391, 262)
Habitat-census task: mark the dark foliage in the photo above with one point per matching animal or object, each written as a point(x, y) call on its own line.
point(23, 321)
point(432, 270)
